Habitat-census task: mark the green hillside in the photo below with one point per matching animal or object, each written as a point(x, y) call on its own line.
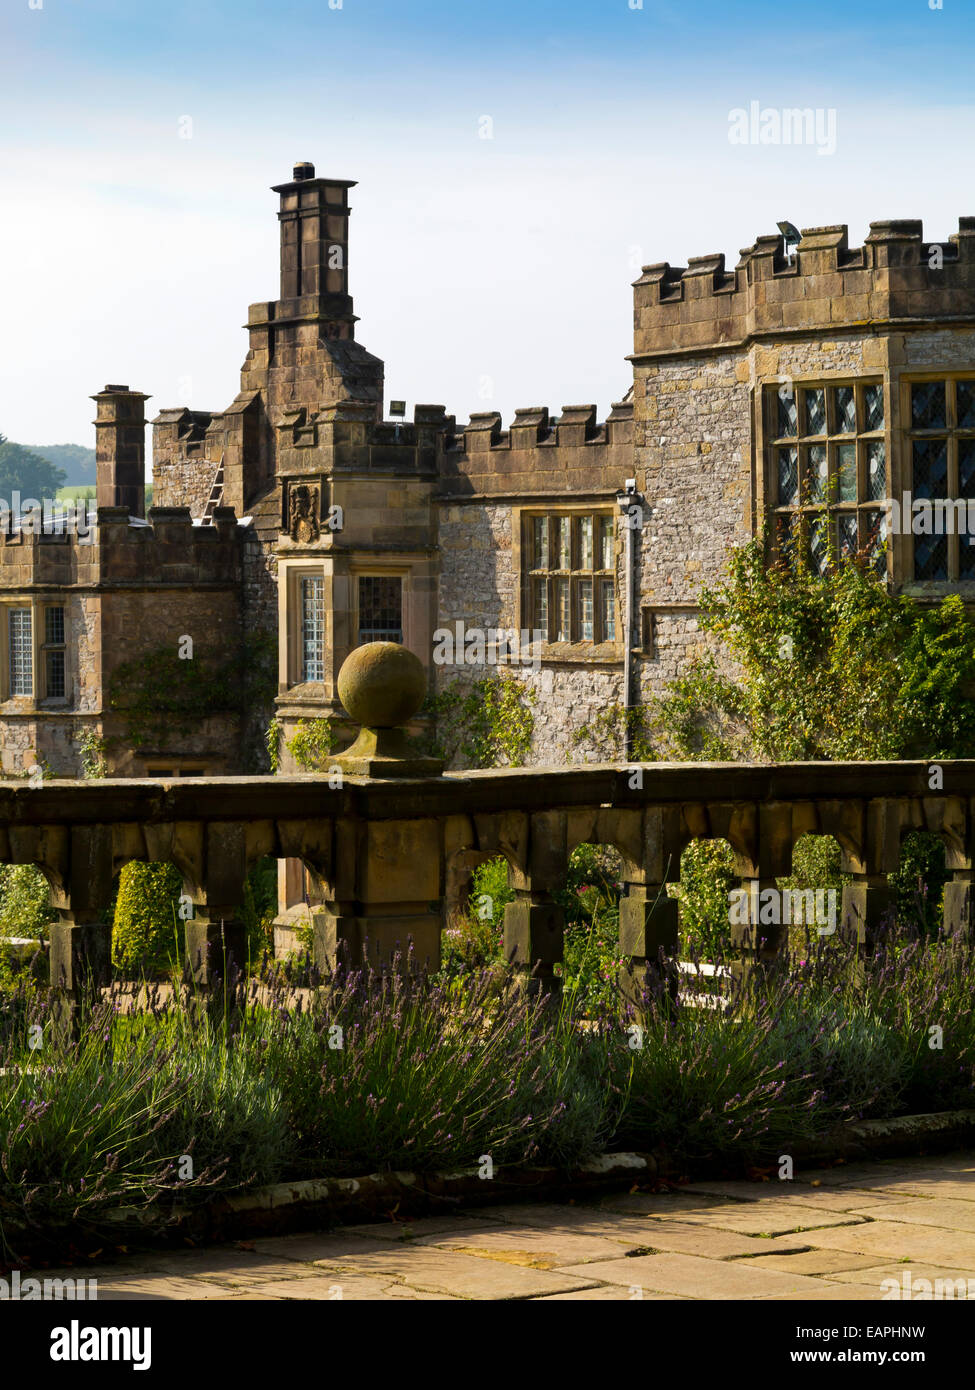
point(24, 471)
point(76, 462)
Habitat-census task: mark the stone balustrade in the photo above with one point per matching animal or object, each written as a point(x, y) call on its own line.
point(388, 851)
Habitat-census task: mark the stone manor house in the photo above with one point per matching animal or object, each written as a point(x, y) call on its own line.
point(816, 379)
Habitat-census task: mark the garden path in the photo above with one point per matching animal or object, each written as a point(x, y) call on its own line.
point(832, 1234)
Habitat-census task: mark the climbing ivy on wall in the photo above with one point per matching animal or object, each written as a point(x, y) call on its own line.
point(486, 723)
point(162, 696)
point(311, 743)
point(830, 666)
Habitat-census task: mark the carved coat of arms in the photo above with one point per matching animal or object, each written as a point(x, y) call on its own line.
point(303, 514)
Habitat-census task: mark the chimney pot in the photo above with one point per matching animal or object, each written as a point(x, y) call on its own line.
point(303, 170)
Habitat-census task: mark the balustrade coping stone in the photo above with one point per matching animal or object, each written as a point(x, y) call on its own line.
point(309, 796)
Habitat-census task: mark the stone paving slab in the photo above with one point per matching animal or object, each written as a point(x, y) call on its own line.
point(659, 1203)
point(959, 1190)
point(250, 1266)
point(877, 1273)
point(861, 1293)
point(603, 1292)
point(813, 1262)
point(828, 1199)
point(532, 1248)
point(695, 1277)
point(886, 1173)
point(425, 1226)
point(153, 1285)
point(765, 1218)
point(897, 1240)
point(346, 1289)
point(323, 1246)
point(664, 1233)
point(930, 1211)
point(423, 1267)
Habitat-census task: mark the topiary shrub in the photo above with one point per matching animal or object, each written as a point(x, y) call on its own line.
point(24, 901)
point(146, 930)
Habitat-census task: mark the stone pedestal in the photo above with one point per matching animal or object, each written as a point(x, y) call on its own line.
point(959, 907)
point(377, 940)
point(81, 965)
point(534, 932)
point(867, 902)
point(649, 936)
point(215, 950)
point(759, 945)
point(81, 956)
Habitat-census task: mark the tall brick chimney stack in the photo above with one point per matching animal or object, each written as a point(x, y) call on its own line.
point(314, 217)
point(120, 449)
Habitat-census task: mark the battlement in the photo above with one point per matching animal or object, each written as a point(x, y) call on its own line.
point(349, 436)
point(166, 549)
point(895, 276)
point(566, 452)
point(539, 452)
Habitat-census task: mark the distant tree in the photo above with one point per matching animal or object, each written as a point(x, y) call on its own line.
point(77, 460)
point(27, 473)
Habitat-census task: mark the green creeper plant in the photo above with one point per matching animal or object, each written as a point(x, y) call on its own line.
point(827, 666)
point(486, 723)
point(311, 744)
point(93, 750)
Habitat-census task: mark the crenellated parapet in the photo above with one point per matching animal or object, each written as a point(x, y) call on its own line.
point(346, 437)
point(897, 276)
point(111, 547)
point(169, 548)
point(571, 453)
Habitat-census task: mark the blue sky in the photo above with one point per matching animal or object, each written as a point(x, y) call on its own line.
point(487, 273)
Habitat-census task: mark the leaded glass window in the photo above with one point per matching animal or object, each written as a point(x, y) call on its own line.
point(607, 533)
point(20, 646)
point(380, 608)
point(788, 412)
point(940, 448)
point(827, 462)
point(607, 609)
point(815, 411)
point(540, 544)
point(570, 585)
point(845, 410)
point(876, 470)
point(586, 624)
point(788, 477)
point(312, 627)
point(928, 410)
point(54, 655)
point(563, 615)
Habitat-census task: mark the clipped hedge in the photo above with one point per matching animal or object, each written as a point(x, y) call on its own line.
point(146, 916)
point(25, 908)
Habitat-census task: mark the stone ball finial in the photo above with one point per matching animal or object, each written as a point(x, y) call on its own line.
point(382, 685)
